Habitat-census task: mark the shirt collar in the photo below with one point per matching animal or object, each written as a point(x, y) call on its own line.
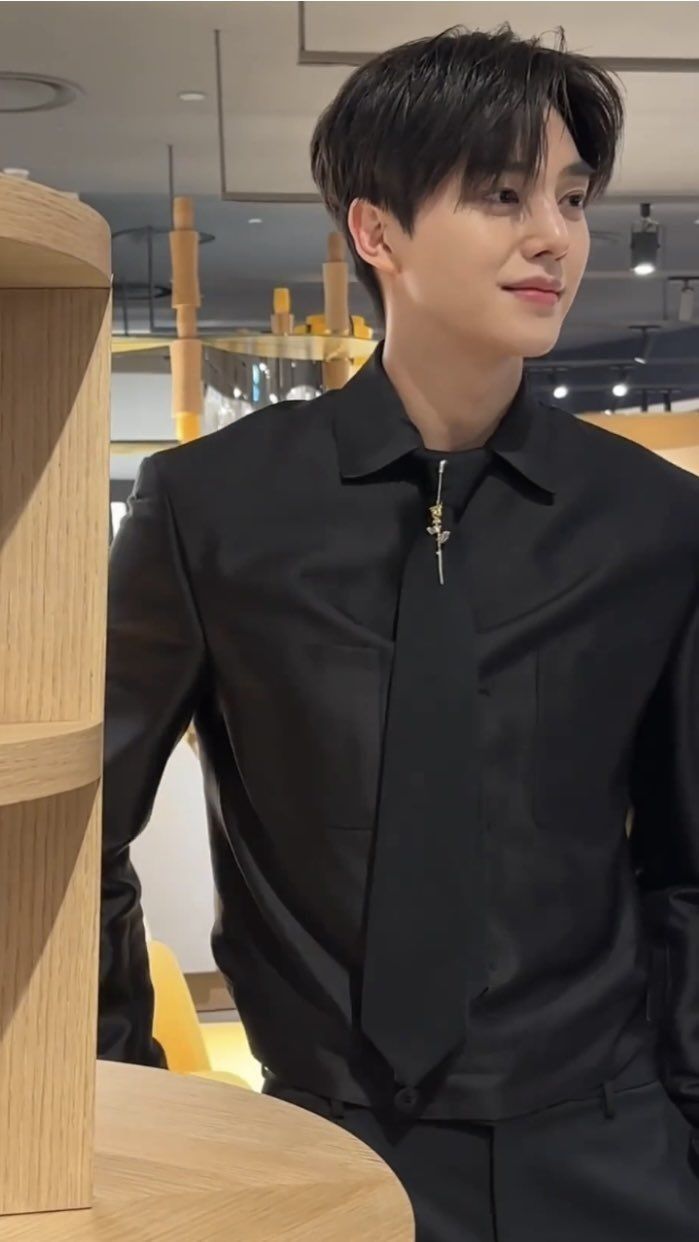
point(373, 430)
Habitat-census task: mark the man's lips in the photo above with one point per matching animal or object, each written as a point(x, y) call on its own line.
point(537, 294)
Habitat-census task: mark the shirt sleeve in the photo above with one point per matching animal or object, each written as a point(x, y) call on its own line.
point(665, 845)
point(155, 660)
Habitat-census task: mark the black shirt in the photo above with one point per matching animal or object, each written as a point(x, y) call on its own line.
point(254, 586)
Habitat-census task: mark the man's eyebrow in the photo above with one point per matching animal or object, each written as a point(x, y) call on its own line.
point(580, 168)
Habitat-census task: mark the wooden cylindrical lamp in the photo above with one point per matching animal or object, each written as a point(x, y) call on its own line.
point(186, 351)
point(336, 371)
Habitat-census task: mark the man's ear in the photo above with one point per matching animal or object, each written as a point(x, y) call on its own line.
point(370, 227)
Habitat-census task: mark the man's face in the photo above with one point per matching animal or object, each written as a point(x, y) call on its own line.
point(460, 264)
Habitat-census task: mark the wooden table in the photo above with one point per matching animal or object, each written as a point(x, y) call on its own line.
point(183, 1159)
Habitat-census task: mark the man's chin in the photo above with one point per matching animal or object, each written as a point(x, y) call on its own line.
point(539, 345)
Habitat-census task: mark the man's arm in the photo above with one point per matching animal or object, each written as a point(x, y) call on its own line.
point(155, 660)
point(665, 845)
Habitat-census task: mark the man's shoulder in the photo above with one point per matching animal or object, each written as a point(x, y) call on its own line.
point(613, 460)
point(266, 438)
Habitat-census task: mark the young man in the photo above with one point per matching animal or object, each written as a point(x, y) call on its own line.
point(437, 639)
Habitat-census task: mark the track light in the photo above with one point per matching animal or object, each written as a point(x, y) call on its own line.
point(621, 387)
point(686, 310)
point(645, 243)
point(642, 356)
point(560, 389)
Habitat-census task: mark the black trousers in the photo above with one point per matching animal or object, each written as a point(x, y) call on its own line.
point(610, 1168)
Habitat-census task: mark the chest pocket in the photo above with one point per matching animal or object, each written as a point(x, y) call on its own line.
point(590, 698)
point(305, 723)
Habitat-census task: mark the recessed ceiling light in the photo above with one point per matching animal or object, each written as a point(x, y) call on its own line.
point(192, 96)
point(31, 92)
point(254, 220)
point(21, 173)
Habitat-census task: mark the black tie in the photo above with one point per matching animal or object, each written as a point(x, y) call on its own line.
point(425, 953)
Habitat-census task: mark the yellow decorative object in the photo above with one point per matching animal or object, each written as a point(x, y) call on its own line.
point(360, 328)
point(282, 321)
point(229, 1052)
point(187, 427)
point(185, 1040)
point(175, 1023)
point(281, 301)
point(315, 325)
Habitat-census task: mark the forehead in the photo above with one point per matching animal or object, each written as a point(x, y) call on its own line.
point(559, 155)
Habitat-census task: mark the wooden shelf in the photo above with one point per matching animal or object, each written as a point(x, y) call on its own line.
point(195, 1161)
point(137, 344)
point(296, 348)
point(50, 241)
point(264, 345)
point(39, 760)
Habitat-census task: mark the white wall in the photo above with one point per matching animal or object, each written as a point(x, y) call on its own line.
point(172, 860)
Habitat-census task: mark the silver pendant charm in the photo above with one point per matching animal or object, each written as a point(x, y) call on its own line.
point(435, 528)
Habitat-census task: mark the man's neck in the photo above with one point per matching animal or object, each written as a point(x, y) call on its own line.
point(456, 401)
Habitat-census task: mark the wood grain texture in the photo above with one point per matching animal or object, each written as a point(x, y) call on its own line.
point(49, 897)
point(50, 241)
point(54, 399)
point(54, 445)
point(39, 760)
point(194, 1161)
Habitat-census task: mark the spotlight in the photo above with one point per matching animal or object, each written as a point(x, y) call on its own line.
point(560, 392)
point(644, 345)
point(620, 389)
point(645, 243)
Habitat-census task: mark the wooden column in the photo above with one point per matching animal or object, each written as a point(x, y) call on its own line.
point(55, 320)
point(336, 371)
point(186, 351)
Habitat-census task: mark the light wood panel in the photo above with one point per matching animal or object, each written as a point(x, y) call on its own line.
point(54, 398)
point(54, 433)
point(50, 241)
point(39, 760)
point(193, 1161)
point(49, 896)
point(653, 431)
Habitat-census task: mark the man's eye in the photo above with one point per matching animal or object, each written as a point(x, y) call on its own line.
point(578, 200)
point(504, 196)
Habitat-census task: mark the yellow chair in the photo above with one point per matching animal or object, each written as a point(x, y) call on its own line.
point(177, 1028)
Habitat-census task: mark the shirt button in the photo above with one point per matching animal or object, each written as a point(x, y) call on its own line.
point(406, 1100)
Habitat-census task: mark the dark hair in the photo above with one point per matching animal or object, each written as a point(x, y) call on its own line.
point(463, 103)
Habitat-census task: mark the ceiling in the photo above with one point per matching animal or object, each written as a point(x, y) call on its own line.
point(131, 60)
